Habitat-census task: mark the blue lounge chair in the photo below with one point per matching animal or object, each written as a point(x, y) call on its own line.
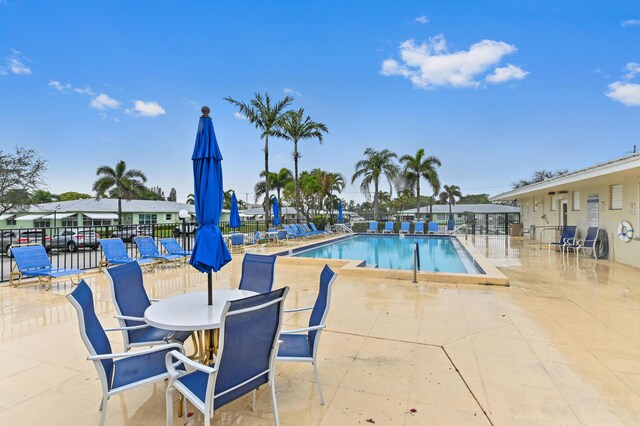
point(291, 233)
point(149, 250)
point(249, 333)
point(258, 273)
point(174, 247)
point(282, 235)
point(315, 229)
point(120, 371)
point(303, 231)
point(451, 226)
point(114, 252)
point(32, 261)
point(131, 300)
point(373, 227)
point(405, 227)
point(302, 344)
point(418, 228)
point(309, 230)
point(388, 228)
point(433, 227)
point(568, 237)
point(588, 243)
point(237, 242)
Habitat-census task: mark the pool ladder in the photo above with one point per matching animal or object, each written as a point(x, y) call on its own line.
point(416, 262)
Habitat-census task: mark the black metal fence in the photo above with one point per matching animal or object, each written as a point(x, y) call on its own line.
point(477, 224)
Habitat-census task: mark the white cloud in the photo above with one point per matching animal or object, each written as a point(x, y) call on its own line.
point(146, 109)
point(422, 19)
point(632, 69)
point(288, 91)
point(103, 101)
point(430, 65)
point(84, 91)
point(630, 22)
point(62, 88)
point(239, 116)
point(625, 93)
point(510, 72)
point(15, 64)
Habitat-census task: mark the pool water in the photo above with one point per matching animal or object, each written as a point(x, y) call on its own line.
point(437, 254)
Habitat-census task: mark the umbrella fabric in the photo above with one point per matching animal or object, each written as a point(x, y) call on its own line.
point(210, 253)
point(340, 218)
point(276, 212)
point(234, 219)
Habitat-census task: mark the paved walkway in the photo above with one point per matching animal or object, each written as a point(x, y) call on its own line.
point(560, 346)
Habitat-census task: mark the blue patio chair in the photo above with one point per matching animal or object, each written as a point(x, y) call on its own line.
point(282, 235)
point(405, 227)
point(451, 226)
point(173, 247)
point(259, 237)
point(32, 261)
point(149, 250)
point(117, 371)
point(114, 252)
point(303, 231)
point(302, 344)
point(237, 242)
point(433, 227)
point(568, 237)
point(291, 233)
point(388, 228)
point(418, 228)
point(315, 229)
point(249, 332)
point(258, 272)
point(311, 231)
point(131, 300)
point(373, 227)
point(588, 243)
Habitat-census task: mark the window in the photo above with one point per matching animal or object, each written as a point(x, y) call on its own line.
point(11, 221)
point(616, 197)
point(147, 219)
point(167, 217)
point(554, 204)
point(41, 223)
point(70, 222)
point(576, 200)
point(96, 222)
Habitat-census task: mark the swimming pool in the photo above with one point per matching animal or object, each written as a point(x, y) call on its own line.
point(437, 254)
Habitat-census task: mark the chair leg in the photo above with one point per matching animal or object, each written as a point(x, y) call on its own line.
point(315, 373)
point(253, 401)
point(272, 385)
point(169, 399)
point(103, 408)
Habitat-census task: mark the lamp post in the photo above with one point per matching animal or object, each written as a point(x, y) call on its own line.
point(55, 211)
point(183, 214)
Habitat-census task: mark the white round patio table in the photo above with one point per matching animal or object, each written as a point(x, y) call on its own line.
point(190, 311)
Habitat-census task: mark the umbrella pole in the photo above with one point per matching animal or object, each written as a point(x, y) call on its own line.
point(210, 288)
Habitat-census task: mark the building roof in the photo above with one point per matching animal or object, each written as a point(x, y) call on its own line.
point(461, 208)
point(108, 205)
point(619, 165)
point(260, 210)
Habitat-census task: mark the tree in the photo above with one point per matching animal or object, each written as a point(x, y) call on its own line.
point(418, 167)
point(539, 176)
point(190, 199)
point(474, 199)
point(448, 196)
point(277, 181)
point(41, 196)
point(70, 196)
point(173, 195)
point(21, 173)
point(144, 193)
point(295, 129)
point(268, 119)
point(329, 183)
point(376, 165)
point(125, 183)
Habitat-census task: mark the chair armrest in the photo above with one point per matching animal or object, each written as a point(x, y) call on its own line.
point(297, 309)
point(300, 330)
point(133, 327)
point(154, 300)
point(124, 317)
point(171, 366)
point(137, 353)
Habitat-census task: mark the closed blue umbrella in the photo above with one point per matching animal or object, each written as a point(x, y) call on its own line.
point(210, 253)
point(234, 219)
point(276, 212)
point(340, 218)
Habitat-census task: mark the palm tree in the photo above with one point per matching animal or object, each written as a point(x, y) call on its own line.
point(449, 196)
point(190, 199)
point(121, 182)
point(331, 182)
point(371, 169)
point(418, 167)
point(296, 129)
point(268, 119)
point(277, 181)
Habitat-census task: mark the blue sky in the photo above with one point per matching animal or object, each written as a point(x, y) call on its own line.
point(495, 89)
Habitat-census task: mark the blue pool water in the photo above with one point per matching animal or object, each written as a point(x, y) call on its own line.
point(437, 254)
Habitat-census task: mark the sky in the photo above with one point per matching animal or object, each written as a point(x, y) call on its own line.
point(495, 89)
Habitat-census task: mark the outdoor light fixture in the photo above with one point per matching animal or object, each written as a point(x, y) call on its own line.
point(183, 214)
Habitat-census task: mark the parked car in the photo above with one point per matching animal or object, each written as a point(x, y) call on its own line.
point(128, 232)
point(188, 229)
point(74, 238)
point(23, 236)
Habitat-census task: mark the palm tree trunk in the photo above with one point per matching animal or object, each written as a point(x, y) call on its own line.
point(450, 215)
point(119, 211)
point(418, 199)
point(295, 162)
point(281, 206)
point(430, 210)
point(267, 207)
point(375, 200)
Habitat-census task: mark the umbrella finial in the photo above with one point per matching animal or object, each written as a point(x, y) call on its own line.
point(205, 111)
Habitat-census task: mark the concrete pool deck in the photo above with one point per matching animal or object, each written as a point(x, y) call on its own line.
point(561, 345)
